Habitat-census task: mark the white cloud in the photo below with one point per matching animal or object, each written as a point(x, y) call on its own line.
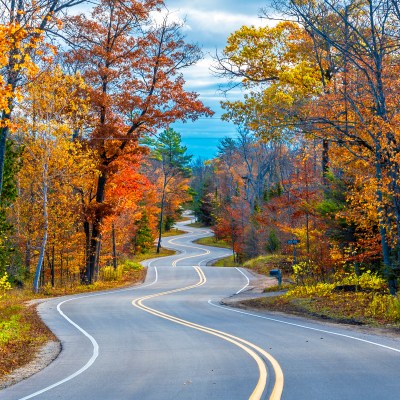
point(218, 21)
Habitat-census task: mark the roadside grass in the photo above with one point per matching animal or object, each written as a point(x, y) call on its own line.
point(173, 232)
point(212, 241)
point(152, 254)
point(226, 262)
point(350, 308)
point(277, 288)
point(22, 332)
point(265, 263)
point(261, 265)
point(197, 225)
point(368, 303)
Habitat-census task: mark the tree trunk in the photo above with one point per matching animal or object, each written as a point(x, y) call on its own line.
point(52, 268)
point(3, 141)
point(46, 228)
point(325, 161)
point(97, 264)
point(28, 256)
point(86, 229)
point(96, 229)
point(161, 216)
point(114, 248)
point(383, 228)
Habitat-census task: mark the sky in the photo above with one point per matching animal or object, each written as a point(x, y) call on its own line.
point(209, 23)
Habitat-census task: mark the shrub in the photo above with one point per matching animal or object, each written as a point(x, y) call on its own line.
point(264, 264)
point(306, 272)
point(111, 274)
point(131, 266)
point(384, 306)
point(4, 285)
point(318, 290)
point(273, 243)
point(369, 281)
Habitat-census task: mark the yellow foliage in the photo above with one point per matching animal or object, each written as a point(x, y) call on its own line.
point(14, 56)
point(368, 280)
point(320, 289)
point(110, 274)
point(5, 285)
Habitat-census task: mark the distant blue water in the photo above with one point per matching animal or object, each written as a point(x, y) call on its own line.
point(206, 148)
point(202, 136)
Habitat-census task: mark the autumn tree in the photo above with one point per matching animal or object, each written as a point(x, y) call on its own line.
point(364, 122)
point(132, 198)
point(54, 165)
point(133, 66)
point(22, 27)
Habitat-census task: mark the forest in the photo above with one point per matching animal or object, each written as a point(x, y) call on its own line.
point(313, 173)
point(91, 171)
point(84, 179)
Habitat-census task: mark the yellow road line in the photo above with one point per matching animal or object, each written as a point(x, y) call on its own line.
point(241, 343)
point(206, 252)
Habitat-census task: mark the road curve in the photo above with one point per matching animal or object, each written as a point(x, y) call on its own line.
point(171, 339)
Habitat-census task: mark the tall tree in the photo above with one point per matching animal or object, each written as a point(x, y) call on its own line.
point(133, 66)
point(54, 165)
point(365, 122)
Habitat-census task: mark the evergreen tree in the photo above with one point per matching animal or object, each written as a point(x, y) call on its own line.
point(168, 151)
point(143, 239)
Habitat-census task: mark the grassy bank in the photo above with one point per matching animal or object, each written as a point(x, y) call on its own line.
point(212, 241)
point(350, 309)
point(173, 232)
point(362, 300)
point(346, 298)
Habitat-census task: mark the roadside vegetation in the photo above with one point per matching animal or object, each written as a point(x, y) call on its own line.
point(226, 262)
point(342, 296)
point(212, 241)
point(197, 225)
point(173, 232)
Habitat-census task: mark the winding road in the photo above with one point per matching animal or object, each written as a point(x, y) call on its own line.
point(170, 339)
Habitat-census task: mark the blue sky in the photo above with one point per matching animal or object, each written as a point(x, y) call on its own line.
point(208, 23)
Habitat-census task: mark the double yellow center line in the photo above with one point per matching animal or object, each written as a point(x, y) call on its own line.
point(251, 349)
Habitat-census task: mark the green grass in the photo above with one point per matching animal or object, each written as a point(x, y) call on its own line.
point(225, 262)
point(173, 232)
point(197, 225)
point(22, 332)
point(264, 264)
point(152, 254)
point(211, 241)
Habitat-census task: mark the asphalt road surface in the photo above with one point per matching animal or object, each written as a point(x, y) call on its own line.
point(170, 339)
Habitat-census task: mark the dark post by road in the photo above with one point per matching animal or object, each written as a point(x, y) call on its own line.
point(294, 242)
